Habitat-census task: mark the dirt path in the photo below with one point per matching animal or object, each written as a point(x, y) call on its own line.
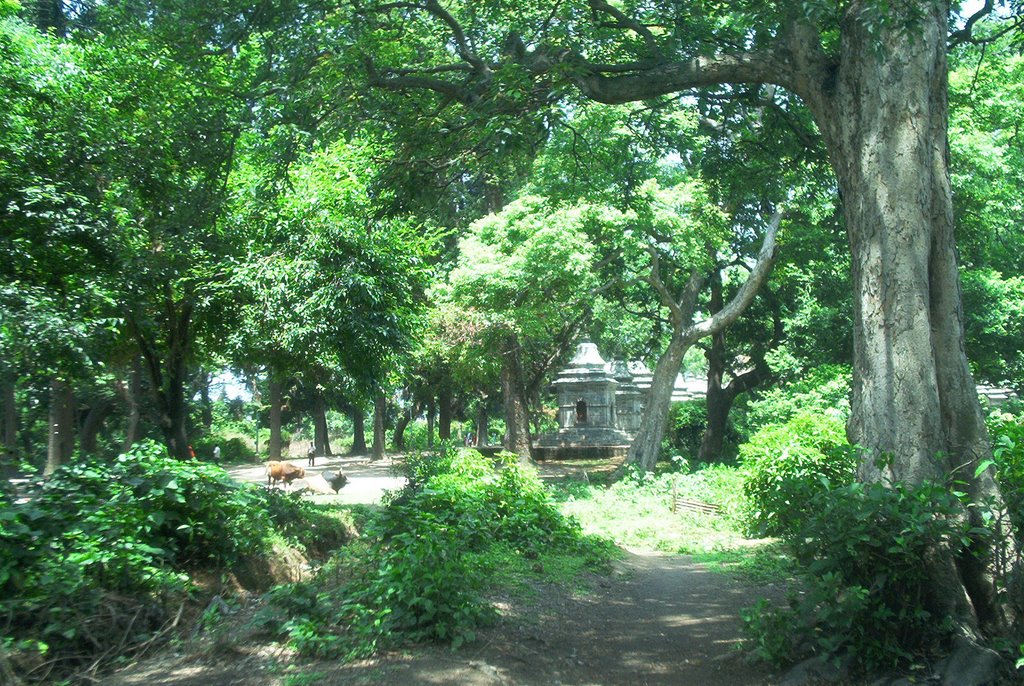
point(658, 620)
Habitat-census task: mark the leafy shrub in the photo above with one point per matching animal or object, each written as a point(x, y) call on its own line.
point(415, 575)
point(686, 423)
point(419, 466)
point(824, 390)
point(1006, 431)
point(98, 536)
point(866, 592)
point(788, 464)
point(233, 450)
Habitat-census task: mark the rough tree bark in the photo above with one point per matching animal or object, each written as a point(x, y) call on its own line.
point(275, 442)
point(914, 400)
point(358, 431)
point(645, 448)
point(380, 409)
point(61, 441)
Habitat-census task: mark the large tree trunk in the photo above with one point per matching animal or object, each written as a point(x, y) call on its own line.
point(380, 409)
point(444, 413)
point(719, 399)
point(61, 441)
point(168, 376)
point(646, 446)
point(321, 441)
point(358, 431)
point(10, 421)
point(719, 404)
point(914, 401)
point(274, 443)
point(482, 427)
point(93, 422)
point(132, 394)
point(517, 419)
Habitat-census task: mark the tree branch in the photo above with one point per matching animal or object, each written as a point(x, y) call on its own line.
point(728, 314)
point(623, 21)
point(465, 52)
point(964, 35)
point(647, 82)
point(654, 279)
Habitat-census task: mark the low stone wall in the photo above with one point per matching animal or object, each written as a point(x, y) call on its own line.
point(578, 452)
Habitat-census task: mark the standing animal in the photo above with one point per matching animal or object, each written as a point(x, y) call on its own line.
point(337, 480)
point(283, 471)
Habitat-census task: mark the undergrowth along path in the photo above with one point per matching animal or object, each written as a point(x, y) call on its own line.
point(659, 619)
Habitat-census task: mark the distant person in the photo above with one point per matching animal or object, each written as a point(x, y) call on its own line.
point(216, 453)
point(191, 452)
point(311, 455)
point(469, 440)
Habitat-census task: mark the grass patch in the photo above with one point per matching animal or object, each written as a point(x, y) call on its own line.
point(517, 573)
point(761, 563)
point(464, 528)
point(636, 512)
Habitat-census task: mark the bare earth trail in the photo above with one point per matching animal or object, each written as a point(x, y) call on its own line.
point(658, 620)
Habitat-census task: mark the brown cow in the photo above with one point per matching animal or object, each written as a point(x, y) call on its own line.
point(283, 471)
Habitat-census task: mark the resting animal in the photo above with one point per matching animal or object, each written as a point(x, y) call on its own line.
point(337, 480)
point(283, 471)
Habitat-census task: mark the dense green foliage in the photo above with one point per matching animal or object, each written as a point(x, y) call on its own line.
point(97, 542)
point(245, 197)
point(1007, 432)
point(421, 570)
point(686, 422)
point(788, 465)
point(859, 548)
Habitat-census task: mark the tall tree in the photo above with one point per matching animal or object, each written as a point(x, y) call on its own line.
point(873, 76)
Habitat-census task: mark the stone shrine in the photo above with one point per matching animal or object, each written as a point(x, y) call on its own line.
point(588, 420)
point(629, 399)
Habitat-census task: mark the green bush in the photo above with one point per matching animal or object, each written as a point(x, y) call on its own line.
point(123, 532)
point(233, 450)
point(865, 594)
point(1006, 431)
point(787, 465)
point(416, 574)
point(686, 423)
point(824, 390)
